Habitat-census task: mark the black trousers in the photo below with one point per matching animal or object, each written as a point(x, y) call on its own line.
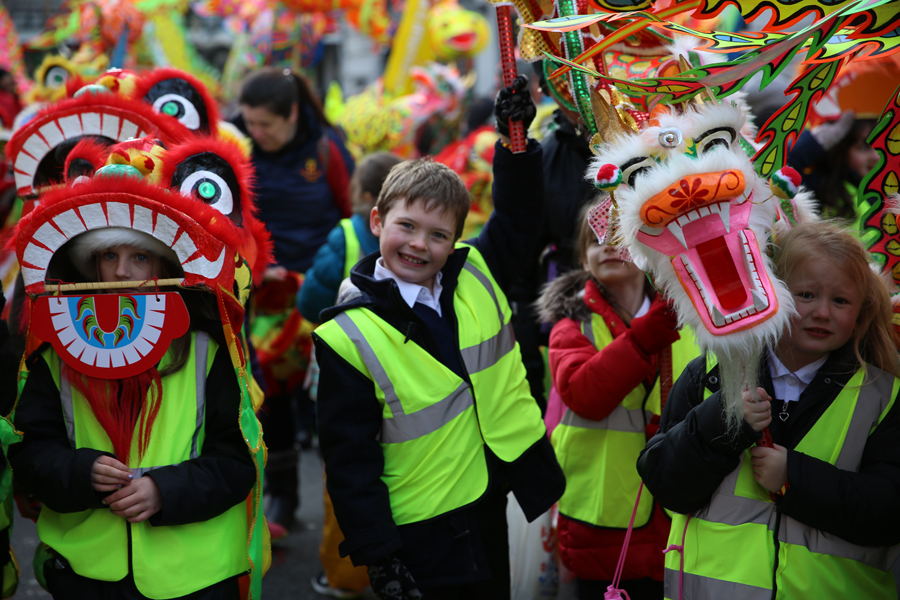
point(495, 537)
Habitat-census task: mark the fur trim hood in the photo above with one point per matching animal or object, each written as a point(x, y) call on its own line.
point(85, 247)
point(564, 298)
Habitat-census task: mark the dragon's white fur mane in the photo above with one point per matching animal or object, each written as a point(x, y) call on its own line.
point(737, 348)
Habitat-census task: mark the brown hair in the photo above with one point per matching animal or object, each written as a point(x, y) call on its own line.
point(831, 189)
point(369, 177)
point(586, 237)
point(277, 90)
point(435, 184)
point(873, 338)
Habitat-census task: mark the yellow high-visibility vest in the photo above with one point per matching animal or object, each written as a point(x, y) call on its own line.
point(430, 412)
point(352, 247)
point(729, 545)
point(599, 457)
point(169, 561)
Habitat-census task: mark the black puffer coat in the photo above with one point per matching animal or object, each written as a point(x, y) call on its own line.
point(686, 461)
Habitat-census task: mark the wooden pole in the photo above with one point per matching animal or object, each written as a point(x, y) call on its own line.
point(109, 285)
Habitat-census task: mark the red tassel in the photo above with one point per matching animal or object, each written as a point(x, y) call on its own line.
point(119, 407)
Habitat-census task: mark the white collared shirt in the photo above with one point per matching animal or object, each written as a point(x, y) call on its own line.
point(413, 292)
point(644, 309)
point(789, 385)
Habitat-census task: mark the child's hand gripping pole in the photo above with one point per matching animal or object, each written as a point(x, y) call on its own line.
point(766, 441)
point(508, 65)
point(755, 417)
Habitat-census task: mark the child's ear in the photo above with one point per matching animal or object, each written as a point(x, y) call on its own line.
point(375, 222)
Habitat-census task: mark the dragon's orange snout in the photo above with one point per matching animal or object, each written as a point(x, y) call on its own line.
point(691, 193)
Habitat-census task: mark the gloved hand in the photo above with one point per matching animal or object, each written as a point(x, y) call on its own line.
point(391, 580)
point(830, 133)
point(514, 102)
point(656, 330)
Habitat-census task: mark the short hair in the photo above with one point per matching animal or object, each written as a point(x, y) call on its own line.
point(277, 90)
point(422, 179)
point(369, 176)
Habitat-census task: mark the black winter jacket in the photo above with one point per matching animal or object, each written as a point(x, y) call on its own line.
point(445, 550)
point(687, 459)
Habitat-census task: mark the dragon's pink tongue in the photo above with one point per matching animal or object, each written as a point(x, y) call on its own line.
point(722, 273)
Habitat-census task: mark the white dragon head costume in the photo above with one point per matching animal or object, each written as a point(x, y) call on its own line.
point(692, 211)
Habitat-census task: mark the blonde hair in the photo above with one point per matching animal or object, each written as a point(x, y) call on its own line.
point(873, 338)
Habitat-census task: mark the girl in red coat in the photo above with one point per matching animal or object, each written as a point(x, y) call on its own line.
point(611, 329)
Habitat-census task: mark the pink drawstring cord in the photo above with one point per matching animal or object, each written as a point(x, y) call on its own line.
point(680, 550)
point(613, 592)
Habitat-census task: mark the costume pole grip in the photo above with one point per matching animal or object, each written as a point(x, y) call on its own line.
point(508, 65)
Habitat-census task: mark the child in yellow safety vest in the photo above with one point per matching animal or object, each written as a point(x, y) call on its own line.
point(606, 348)
point(347, 244)
point(815, 515)
point(106, 528)
point(426, 420)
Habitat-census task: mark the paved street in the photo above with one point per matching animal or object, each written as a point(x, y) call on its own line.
point(294, 561)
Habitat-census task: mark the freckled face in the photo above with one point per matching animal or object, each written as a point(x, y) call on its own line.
point(414, 243)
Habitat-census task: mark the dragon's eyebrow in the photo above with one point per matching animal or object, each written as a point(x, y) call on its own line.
point(709, 132)
point(633, 161)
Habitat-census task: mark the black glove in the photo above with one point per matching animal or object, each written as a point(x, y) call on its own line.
point(391, 580)
point(514, 102)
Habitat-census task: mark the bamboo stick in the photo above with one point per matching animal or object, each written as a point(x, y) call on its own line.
point(109, 285)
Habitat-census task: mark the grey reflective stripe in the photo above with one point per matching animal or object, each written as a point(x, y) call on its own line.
point(483, 280)
point(697, 587)
point(404, 427)
point(65, 396)
point(587, 328)
point(428, 420)
point(727, 508)
point(874, 398)
point(620, 419)
point(486, 354)
point(737, 510)
point(372, 363)
point(201, 351)
point(819, 542)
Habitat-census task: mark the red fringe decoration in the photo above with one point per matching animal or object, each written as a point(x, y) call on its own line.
point(118, 406)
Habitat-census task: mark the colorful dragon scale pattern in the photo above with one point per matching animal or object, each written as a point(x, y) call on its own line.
point(878, 193)
point(861, 29)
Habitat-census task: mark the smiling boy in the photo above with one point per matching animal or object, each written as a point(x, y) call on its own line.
point(426, 421)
